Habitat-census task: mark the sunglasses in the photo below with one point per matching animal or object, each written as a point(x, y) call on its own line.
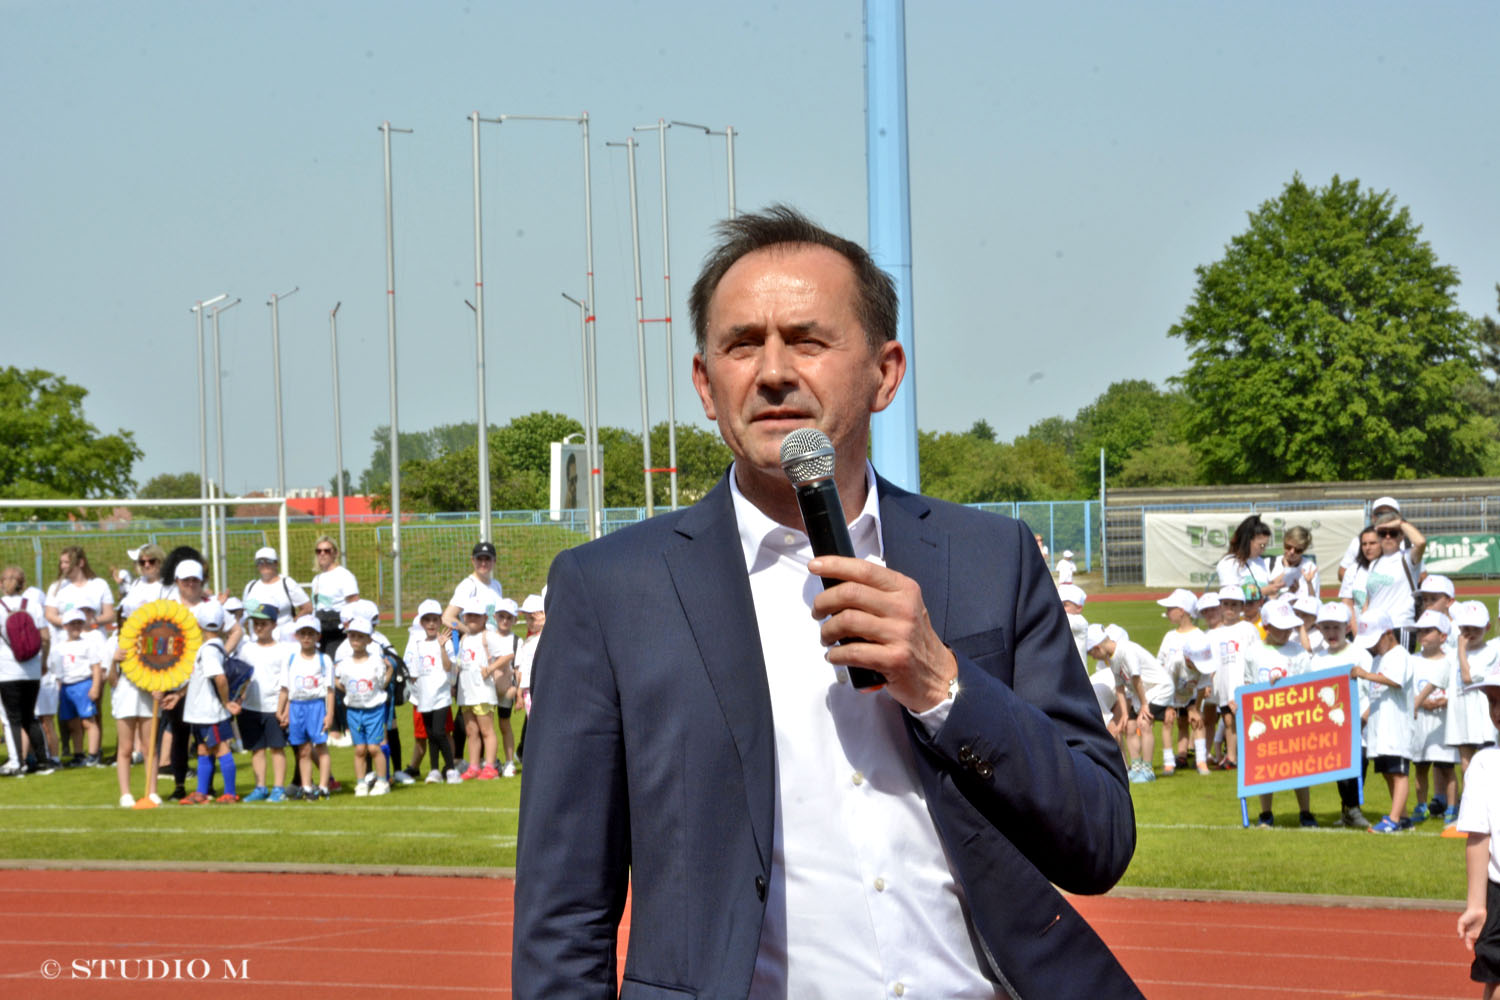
point(1389, 533)
point(147, 562)
point(1294, 549)
point(323, 552)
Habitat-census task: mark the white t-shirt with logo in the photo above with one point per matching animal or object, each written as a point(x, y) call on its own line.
point(475, 653)
point(1229, 645)
point(308, 678)
point(333, 588)
point(73, 660)
point(470, 588)
point(431, 685)
point(1265, 663)
point(1388, 733)
point(362, 680)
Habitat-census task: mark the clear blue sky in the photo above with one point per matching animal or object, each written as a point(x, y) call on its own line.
point(1071, 163)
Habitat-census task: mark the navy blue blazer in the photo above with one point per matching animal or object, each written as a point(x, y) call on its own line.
point(650, 761)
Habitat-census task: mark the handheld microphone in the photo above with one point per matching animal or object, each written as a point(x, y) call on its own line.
point(807, 459)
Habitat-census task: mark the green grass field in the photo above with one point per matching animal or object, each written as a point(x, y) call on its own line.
point(1189, 833)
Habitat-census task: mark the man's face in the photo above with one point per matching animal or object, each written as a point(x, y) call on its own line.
point(784, 349)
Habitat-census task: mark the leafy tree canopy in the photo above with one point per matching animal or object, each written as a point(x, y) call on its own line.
point(1326, 344)
point(169, 486)
point(48, 448)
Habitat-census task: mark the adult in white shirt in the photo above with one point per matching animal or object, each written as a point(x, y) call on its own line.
point(273, 589)
point(334, 588)
point(20, 680)
point(1297, 573)
point(1066, 567)
point(1389, 582)
point(1379, 507)
point(78, 586)
point(1246, 559)
point(479, 585)
point(148, 586)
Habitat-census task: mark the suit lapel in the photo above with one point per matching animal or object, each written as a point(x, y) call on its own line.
point(708, 571)
point(914, 547)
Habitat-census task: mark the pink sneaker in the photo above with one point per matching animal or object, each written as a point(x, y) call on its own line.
point(472, 773)
point(488, 773)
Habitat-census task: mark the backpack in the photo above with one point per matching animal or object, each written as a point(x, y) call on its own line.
point(237, 675)
point(400, 677)
point(21, 633)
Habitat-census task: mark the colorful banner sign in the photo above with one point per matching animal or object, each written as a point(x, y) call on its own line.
point(1297, 732)
point(1462, 555)
point(1181, 550)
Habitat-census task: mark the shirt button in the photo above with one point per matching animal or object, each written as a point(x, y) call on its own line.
point(984, 769)
point(880, 885)
point(857, 778)
point(899, 989)
point(789, 538)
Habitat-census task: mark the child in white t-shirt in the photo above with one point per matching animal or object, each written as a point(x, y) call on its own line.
point(77, 660)
point(506, 688)
point(1428, 749)
point(481, 655)
point(1230, 641)
point(362, 677)
point(1181, 608)
point(1338, 653)
point(1073, 598)
point(432, 673)
point(208, 709)
point(308, 683)
point(260, 722)
point(1388, 731)
point(1479, 821)
point(1280, 657)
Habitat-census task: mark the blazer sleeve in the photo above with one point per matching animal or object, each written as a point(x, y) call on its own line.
point(570, 890)
point(1033, 755)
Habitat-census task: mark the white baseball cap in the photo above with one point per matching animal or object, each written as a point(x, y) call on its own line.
point(1181, 598)
point(428, 607)
point(209, 613)
point(74, 614)
point(1117, 633)
point(1072, 593)
point(474, 606)
point(1436, 583)
point(533, 603)
point(189, 569)
point(1371, 628)
point(1067, 553)
point(1197, 648)
point(1334, 611)
point(233, 604)
point(266, 554)
point(1232, 594)
point(1435, 619)
point(306, 622)
point(359, 624)
point(1210, 599)
point(1472, 614)
point(506, 606)
point(1390, 502)
point(1307, 604)
point(1094, 637)
point(1280, 615)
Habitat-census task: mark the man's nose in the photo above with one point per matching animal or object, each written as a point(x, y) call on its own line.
point(776, 369)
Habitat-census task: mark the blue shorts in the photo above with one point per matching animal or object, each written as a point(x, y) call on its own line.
point(305, 722)
point(367, 725)
point(215, 733)
point(74, 701)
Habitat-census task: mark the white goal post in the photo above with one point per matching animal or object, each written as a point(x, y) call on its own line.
point(214, 505)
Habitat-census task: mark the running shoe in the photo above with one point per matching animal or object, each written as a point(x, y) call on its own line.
point(1307, 819)
point(194, 799)
point(434, 777)
point(295, 792)
point(278, 795)
point(228, 798)
point(127, 801)
point(1265, 822)
point(1419, 814)
point(470, 773)
point(1386, 825)
point(381, 787)
point(402, 778)
point(258, 794)
point(453, 777)
point(361, 789)
point(509, 770)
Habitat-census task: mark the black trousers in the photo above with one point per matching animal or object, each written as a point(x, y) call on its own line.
point(18, 700)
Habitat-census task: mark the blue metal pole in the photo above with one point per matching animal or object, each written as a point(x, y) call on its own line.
point(894, 429)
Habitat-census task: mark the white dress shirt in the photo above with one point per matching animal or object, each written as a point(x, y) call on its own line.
point(862, 901)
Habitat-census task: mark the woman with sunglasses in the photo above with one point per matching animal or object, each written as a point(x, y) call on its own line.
point(1386, 572)
point(1246, 561)
point(148, 586)
point(334, 589)
point(1297, 573)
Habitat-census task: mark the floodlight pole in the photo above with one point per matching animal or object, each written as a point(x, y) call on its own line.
point(728, 135)
point(478, 306)
point(197, 311)
point(275, 305)
point(666, 280)
point(390, 336)
point(219, 428)
point(590, 420)
point(640, 323)
point(338, 425)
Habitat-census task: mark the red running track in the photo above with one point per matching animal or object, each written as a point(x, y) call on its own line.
point(221, 935)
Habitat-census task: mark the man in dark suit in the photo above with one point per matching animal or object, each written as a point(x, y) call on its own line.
point(696, 737)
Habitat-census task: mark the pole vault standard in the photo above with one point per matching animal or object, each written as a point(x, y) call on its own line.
point(390, 337)
point(640, 324)
point(590, 337)
point(221, 542)
point(728, 135)
point(590, 418)
point(666, 318)
point(275, 305)
point(197, 311)
point(338, 425)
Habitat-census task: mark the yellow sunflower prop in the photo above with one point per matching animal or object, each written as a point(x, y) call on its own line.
point(161, 641)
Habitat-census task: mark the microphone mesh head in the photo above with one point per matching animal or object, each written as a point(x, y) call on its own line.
point(807, 455)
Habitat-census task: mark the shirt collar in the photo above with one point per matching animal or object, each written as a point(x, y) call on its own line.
point(759, 534)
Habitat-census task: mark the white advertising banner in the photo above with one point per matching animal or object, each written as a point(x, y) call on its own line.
point(1181, 550)
point(570, 478)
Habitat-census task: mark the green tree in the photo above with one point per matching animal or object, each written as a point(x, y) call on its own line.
point(333, 484)
point(49, 449)
point(982, 430)
point(170, 486)
point(1127, 417)
point(414, 445)
point(1326, 344)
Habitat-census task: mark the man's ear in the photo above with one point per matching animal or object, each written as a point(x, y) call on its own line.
point(890, 357)
point(700, 383)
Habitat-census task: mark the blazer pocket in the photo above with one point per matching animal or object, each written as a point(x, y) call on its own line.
point(634, 989)
point(980, 645)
